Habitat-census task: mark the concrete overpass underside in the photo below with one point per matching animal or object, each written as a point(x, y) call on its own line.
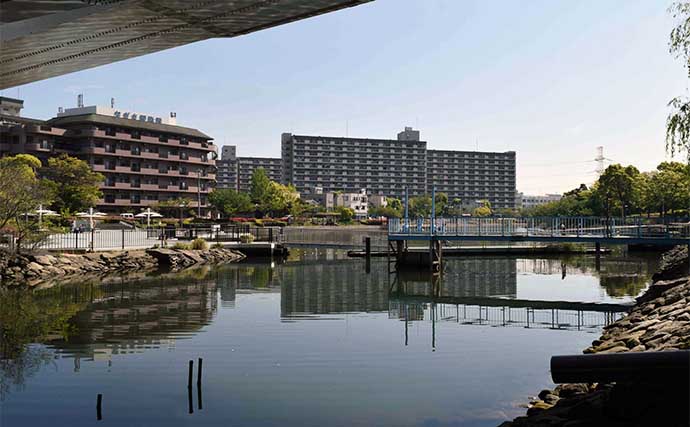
point(40, 39)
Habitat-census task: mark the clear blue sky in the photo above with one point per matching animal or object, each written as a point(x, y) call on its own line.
point(550, 79)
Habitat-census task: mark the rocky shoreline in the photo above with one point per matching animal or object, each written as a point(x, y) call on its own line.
point(660, 321)
point(37, 269)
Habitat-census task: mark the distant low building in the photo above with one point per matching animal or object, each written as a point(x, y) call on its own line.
point(358, 202)
point(524, 201)
point(378, 201)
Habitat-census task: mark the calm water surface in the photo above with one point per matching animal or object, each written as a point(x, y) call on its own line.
point(315, 341)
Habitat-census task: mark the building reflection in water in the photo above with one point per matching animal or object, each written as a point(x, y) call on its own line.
point(117, 318)
point(132, 317)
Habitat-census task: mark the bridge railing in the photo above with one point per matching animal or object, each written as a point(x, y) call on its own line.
point(542, 227)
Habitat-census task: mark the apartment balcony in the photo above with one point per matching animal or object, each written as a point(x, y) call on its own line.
point(151, 172)
point(145, 155)
point(123, 136)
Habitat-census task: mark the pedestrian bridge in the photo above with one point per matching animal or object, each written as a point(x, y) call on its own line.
point(542, 229)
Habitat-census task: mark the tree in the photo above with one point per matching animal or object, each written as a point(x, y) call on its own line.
point(420, 206)
point(346, 214)
point(230, 202)
point(21, 193)
point(441, 200)
point(484, 209)
point(386, 211)
point(279, 199)
point(667, 188)
point(260, 186)
point(454, 207)
point(395, 204)
point(619, 187)
point(678, 121)
point(76, 186)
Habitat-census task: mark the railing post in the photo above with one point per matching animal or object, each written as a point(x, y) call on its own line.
point(76, 240)
point(92, 233)
point(123, 239)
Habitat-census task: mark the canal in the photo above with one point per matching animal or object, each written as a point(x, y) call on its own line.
point(313, 341)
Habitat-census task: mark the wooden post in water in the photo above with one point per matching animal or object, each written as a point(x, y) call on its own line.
point(191, 374)
point(99, 401)
point(367, 250)
point(198, 374)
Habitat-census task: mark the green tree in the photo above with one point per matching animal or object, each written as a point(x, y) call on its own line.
point(21, 193)
point(260, 187)
point(667, 188)
point(484, 209)
point(76, 186)
point(279, 199)
point(346, 214)
point(678, 121)
point(618, 187)
point(230, 202)
point(441, 203)
point(386, 211)
point(395, 204)
point(420, 206)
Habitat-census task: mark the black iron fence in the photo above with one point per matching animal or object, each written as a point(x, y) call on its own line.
point(220, 233)
point(143, 238)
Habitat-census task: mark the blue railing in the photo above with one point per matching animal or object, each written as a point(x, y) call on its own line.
point(541, 227)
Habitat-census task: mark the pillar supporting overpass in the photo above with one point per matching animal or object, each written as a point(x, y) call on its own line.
point(40, 39)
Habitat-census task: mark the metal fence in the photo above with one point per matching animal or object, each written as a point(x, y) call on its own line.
point(144, 238)
point(543, 227)
point(220, 234)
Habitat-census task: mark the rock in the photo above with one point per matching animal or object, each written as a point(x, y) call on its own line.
point(537, 408)
point(34, 267)
point(632, 342)
point(551, 399)
point(543, 393)
point(569, 390)
point(616, 349)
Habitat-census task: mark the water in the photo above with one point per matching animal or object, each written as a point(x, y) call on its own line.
point(312, 342)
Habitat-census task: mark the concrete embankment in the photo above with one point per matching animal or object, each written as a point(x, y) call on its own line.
point(35, 269)
point(660, 321)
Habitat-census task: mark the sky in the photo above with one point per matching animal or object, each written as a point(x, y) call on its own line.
point(549, 79)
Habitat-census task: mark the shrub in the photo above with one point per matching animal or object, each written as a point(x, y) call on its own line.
point(217, 246)
point(272, 222)
point(199, 244)
point(246, 238)
point(180, 245)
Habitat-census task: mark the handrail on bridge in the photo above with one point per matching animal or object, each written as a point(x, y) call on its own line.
point(542, 227)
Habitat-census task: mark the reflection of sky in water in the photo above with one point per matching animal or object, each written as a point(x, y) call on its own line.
point(344, 367)
point(554, 288)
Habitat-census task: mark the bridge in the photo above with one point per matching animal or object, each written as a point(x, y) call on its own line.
point(542, 229)
point(592, 230)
